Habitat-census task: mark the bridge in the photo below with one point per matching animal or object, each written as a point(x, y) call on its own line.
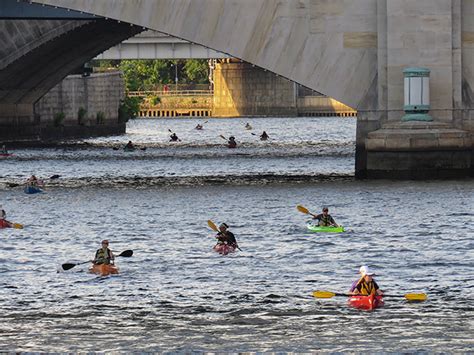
point(155, 45)
point(355, 51)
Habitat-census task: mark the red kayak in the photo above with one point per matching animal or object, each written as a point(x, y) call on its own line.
point(5, 155)
point(4, 224)
point(223, 249)
point(366, 302)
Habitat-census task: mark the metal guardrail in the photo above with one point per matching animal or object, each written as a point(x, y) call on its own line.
point(151, 93)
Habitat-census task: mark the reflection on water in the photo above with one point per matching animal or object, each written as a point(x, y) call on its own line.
point(175, 294)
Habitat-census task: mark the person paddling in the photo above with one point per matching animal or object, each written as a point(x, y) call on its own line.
point(3, 220)
point(4, 150)
point(198, 126)
point(325, 219)
point(232, 143)
point(366, 285)
point(224, 236)
point(174, 137)
point(104, 255)
point(248, 126)
point(264, 136)
point(33, 181)
point(129, 146)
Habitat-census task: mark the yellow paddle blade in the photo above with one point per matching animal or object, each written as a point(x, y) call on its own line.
point(302, 209)
point(18, 225)
point(212, 225)
point(323, 294)
point(416, 297)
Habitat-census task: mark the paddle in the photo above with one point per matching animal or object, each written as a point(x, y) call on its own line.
point(409, 296)
point(17, 225)
point(40, 182)
point(214, 227)
point(67, 266)
point(304, 210)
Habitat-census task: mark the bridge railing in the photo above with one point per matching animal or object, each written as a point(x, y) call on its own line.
point(162, 93)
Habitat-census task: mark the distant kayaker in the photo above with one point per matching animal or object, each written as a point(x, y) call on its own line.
point(224, 236)
point(232, 143)
point(264, 136)
point(325, 219)
point(248, 126)
point(198, 126)
point(104, 255)
point(3, 220)
point(33, 181)
point(174, 138)
point(366, 285)
point(4, 150)
point(129, 146)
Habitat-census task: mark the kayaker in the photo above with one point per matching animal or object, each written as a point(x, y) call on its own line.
point(4, 150)
point(3, 220)
point(129, 146)
point(224, 236)
point(366, 285)
point(104, 255)
point(248, 126)
point(325, 219)
point(174, 138)
point(264, 136)
point(33, 181)
point(198, 127)
point(232, 143)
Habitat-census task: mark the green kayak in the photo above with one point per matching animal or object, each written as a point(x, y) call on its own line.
point(320, 229)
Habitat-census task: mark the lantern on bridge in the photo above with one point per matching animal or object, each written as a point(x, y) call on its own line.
point(417, 94)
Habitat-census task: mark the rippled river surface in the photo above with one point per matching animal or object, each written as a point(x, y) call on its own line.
point(176, 295)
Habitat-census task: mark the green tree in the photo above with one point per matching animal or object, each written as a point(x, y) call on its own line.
point(197, 71)
point(148, 74)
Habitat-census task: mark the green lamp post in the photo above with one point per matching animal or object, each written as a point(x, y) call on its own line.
point(417, 94)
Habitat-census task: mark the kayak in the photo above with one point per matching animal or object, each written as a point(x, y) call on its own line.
point(5, 155)
point(321, 229)
point(223, 249)
point(128, 149)
point(366, 302)
point(32, 190)
point(5, 224)
point(103, 269)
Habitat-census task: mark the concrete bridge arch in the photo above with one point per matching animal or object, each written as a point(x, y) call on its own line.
point(354, 51)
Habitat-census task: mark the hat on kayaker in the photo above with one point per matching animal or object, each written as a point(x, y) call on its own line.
point(224, 225)
point(105, 241)
point(364, 270)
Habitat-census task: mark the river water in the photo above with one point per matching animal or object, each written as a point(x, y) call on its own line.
point(175, 294)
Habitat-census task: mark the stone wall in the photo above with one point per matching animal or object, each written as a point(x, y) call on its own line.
point(98, 94)
point(241, 89)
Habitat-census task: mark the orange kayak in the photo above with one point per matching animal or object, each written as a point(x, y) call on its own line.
point(103, 269)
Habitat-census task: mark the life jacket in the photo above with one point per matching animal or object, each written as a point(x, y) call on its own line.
point(324, 220)
point(226, 238)
point(102, 256)
point(367, 288)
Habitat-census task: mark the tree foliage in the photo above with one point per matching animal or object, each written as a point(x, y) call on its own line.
point(148, 74)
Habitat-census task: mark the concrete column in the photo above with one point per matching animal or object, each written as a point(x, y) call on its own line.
point(241, 89)
point(423, 33)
